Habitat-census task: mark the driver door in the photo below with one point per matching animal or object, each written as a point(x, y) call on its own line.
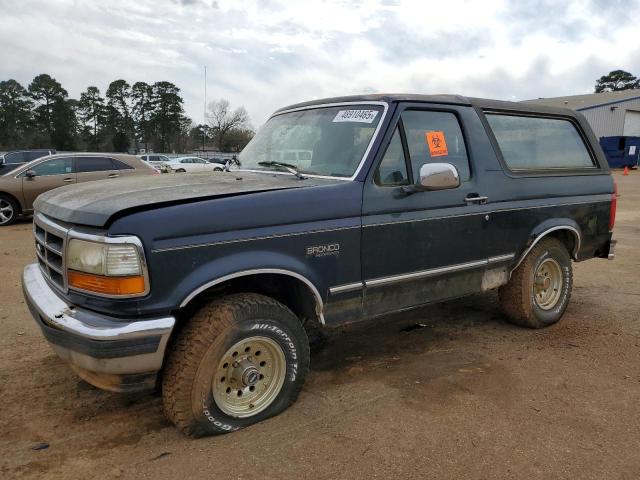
point(49, 174)
point(420, 247)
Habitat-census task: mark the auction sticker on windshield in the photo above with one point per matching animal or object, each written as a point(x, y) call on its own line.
point(362, 116)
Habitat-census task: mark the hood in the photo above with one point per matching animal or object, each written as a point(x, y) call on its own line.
point(94, 203)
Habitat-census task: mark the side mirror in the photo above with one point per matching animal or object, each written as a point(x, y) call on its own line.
point(30, 174)
point(438, 176)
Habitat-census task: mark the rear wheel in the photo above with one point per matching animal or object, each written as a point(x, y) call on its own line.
point(540, 288)
point(8, 210)
point(181, 170)
point(240, 359)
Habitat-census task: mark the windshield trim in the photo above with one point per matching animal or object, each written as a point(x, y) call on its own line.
point(385, 106)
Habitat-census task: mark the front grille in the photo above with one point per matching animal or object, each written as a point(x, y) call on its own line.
point(50, 240)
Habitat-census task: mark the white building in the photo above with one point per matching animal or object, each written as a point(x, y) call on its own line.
point(610, 114)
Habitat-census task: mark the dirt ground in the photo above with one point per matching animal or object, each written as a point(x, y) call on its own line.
point(466, 396)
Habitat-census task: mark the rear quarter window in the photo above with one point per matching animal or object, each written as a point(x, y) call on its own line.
point(121, 165)
point(539, 143)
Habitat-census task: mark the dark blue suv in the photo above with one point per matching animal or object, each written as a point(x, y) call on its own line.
point(338, 210)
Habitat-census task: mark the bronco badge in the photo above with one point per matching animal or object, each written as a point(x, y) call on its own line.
point(324, 250)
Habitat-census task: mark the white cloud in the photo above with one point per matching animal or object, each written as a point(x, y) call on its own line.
point(264, 55)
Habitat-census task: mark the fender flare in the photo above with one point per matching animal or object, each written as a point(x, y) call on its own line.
point(258, 271)
point(574, 229)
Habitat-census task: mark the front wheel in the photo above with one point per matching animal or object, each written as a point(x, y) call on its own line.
point(539, 290)
point(181, 170)
point(241, 359)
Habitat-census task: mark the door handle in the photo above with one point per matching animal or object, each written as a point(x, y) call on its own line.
point(113, 175)
point(68, 180)
point(475, 198)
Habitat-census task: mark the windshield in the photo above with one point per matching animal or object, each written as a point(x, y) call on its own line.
point(329, 141)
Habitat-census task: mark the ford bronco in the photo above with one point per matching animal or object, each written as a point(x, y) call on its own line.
point(206, 285)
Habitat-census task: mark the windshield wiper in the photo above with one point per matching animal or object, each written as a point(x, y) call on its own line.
point(284, 166)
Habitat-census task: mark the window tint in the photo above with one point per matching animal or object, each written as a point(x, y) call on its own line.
point(121, 165)
point(535, 143)
point(393, 168)
point(435, 137)
point(57, 166)
point(94, 164)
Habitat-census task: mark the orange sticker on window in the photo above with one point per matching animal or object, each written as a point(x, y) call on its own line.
point(437, 144)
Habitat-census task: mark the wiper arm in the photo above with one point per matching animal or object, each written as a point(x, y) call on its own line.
point(284, 166)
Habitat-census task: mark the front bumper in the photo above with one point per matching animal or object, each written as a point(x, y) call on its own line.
point(115, 354)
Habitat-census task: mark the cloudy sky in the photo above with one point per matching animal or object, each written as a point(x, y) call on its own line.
point(267, 54)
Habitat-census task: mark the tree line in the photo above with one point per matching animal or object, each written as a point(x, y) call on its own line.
point(128, 117)
point(616, 81)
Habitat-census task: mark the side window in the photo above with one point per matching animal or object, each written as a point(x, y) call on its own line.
point(435, 137)
point(121, 165)
point(537, 143)
point(393, 167)
point(14, 157)
point(28, 156)
point(94, 164)
point(57, 166)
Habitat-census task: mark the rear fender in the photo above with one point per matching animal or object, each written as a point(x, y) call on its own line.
point(549, 227)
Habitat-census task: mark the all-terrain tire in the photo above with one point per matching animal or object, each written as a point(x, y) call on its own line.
point(517, 298)
point(9, 210)
point(187, 384)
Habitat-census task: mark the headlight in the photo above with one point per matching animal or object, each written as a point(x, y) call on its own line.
point(113, 269)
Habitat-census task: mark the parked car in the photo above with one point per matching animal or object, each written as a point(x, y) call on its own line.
point(156, 161)
point(14, 159)
point(192, 164)
point(211, 287)
point(20, 187)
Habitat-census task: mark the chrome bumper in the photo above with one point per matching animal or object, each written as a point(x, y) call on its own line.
point(612, 248)
point(91, 341)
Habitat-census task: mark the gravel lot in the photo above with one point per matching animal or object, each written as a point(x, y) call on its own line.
point(465, 396)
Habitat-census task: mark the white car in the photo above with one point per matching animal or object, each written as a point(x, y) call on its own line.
point(192, 164)
point(156, 161)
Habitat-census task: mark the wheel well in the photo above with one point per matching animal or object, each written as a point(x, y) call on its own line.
point(568, 238)
point(288, 290)
point(15, 200)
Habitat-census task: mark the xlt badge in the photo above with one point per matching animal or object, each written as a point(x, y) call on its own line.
point(324, 250)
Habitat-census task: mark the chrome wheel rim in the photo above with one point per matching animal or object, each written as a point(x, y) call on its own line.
point(249, 377)
point(547, 284)
point(6, 212)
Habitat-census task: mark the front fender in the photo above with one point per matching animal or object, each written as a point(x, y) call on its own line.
point(240, 264)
